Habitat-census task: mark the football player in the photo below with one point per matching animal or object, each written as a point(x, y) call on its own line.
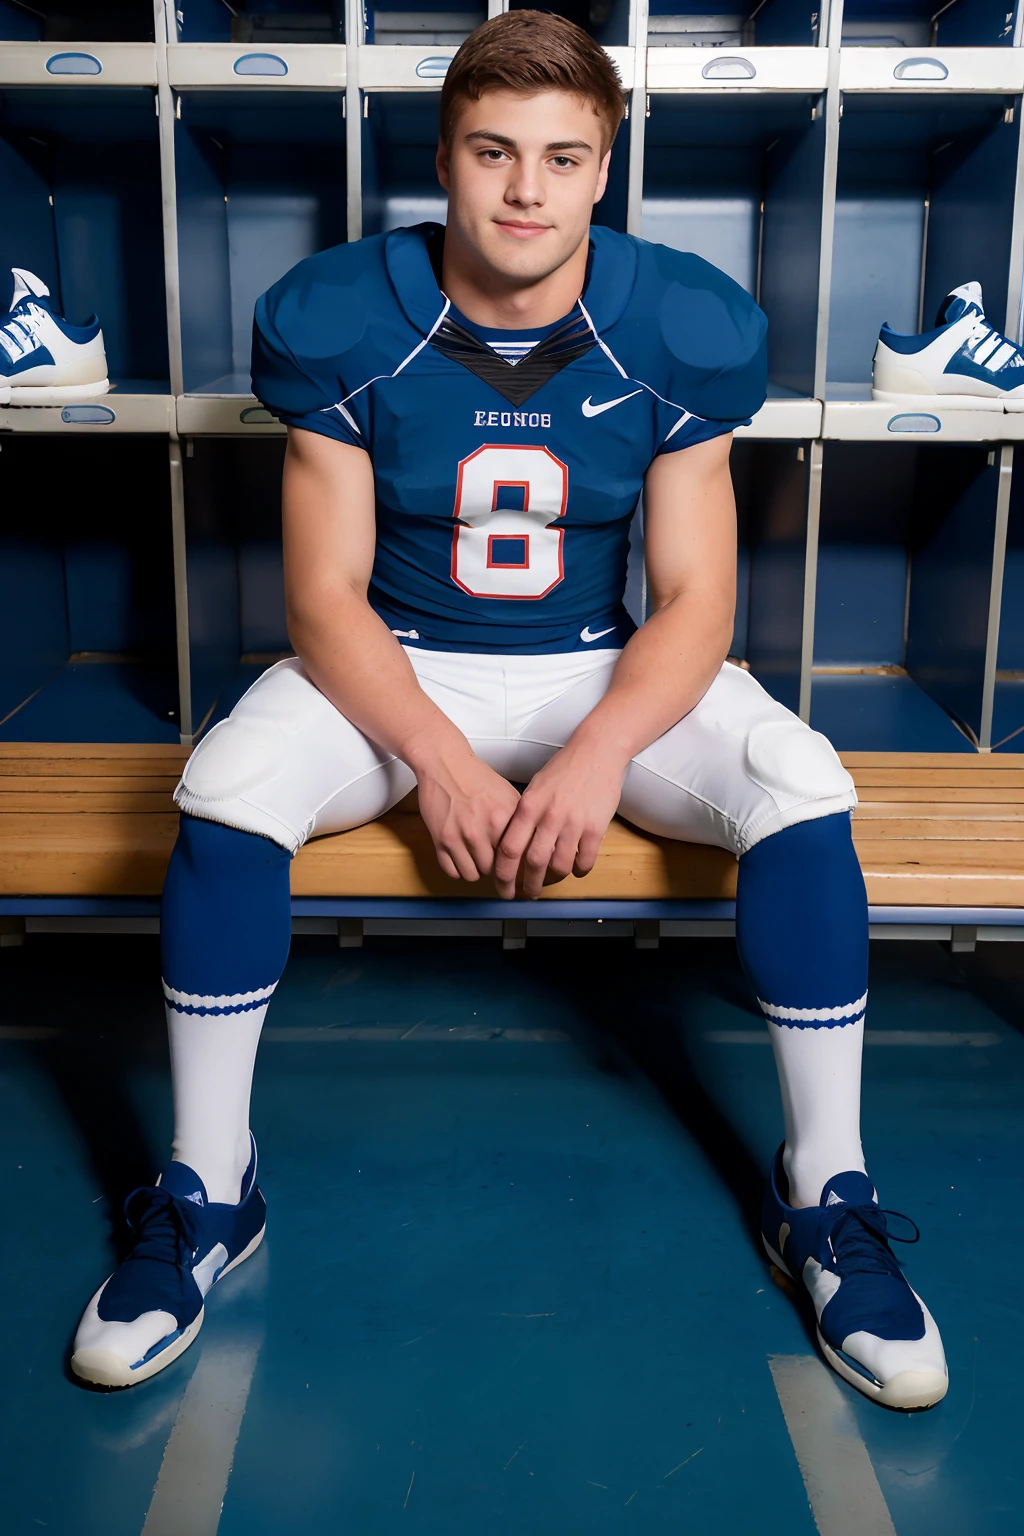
point(473, 412)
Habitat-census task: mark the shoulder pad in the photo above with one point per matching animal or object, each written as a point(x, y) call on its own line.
point(323, 305)
point(712, 331)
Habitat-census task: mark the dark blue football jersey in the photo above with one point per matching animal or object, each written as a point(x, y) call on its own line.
point(505, 490)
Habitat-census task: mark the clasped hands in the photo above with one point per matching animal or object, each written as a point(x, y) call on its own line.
point(482, 825)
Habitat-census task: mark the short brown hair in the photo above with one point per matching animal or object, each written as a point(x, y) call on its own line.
point(530, 52)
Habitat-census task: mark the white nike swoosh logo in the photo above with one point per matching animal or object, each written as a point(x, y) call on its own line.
point(595, 410)
point(586, 636)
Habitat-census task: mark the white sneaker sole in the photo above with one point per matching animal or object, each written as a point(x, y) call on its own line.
point(51, 394)
point(907, 1389)
point(951, 402)
point(104, 1368)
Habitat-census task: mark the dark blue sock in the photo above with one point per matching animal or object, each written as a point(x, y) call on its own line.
point(802, 922)
point(225, 924)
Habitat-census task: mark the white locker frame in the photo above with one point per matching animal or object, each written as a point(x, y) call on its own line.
point(824, 70)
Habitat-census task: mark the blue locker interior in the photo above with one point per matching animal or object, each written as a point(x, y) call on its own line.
point(924, 202)
point(605, 20)
point(260, 21)
point(80, 173)
point(86, 591)
point(58, 21)
point(423, 23)
point(738, 180)
point(925, 24)
point(689, 23)
point(236, 607)
point(770, 480)
point(1008, 713)
point(261, 184)
point(904, 572)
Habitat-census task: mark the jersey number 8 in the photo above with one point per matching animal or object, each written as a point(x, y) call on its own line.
point(505, 499)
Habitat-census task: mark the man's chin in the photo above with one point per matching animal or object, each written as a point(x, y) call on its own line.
point(526, 263)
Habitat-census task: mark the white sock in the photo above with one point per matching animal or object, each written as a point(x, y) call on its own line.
point(819, 1075)
point(212, 1059)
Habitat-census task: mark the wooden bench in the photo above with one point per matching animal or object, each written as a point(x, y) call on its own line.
point(96, 822)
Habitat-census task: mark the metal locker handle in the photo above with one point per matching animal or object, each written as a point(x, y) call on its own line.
point(254, 414)
point(260, 64)
point(73, 64)
point(729, 68)
point(88, 415)
point(914, 421)
point(920, 69)
point(434, 68)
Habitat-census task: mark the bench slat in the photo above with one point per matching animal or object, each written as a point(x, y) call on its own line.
point(96, 819)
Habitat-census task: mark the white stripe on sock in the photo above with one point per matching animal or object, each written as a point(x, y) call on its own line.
point(848, 1012)
point(234, 1000)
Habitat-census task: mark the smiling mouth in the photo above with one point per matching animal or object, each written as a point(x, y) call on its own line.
point(522, 231)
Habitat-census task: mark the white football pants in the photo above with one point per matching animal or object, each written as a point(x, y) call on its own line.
point(287, 765)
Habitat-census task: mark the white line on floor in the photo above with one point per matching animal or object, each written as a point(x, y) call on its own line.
point(841, 1485)
point(189, 1493)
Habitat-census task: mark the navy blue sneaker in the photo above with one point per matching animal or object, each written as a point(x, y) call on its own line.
point(151, 1308)
point(873, 1329)
point(964, 362)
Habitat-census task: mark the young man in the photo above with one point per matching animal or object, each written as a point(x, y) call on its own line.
point(473, 412)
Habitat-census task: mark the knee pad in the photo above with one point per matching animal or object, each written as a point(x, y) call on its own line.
point(234, 758)
point(788, 759)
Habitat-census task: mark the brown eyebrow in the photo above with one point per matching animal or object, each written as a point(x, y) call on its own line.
point(507, 143)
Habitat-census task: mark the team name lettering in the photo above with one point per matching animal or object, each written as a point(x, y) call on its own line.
point(511, 418)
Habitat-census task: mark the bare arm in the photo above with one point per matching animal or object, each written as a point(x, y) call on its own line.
point(664, 670)
point(353, 658)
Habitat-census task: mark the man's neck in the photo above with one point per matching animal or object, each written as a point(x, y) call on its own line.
point(490, 299)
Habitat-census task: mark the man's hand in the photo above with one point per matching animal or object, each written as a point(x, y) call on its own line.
point(560, 820)
point(466, 807)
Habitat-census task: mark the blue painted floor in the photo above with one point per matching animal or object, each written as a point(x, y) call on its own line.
point(508, 1285)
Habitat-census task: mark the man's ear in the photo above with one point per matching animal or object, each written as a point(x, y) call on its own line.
point(602, 176)
point(443, 165)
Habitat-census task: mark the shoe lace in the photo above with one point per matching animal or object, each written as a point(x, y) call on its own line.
point(981, 332)
point(21, 327)
point(166, 1228)
point(858, 1241)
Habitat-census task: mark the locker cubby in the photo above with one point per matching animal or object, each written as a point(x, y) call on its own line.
point(925, 24)
point(80, 171)
point(606, 20)
point(76, 21)
point(1008, 705)
point(738, 179)
point(86, 591)
point(904, 569)
point(236, 612)
point(689, 24)
point(400, 184)
point(924, 202)
point(260, 185)
point(260, 21)
point(423, 23)
point(771, 484)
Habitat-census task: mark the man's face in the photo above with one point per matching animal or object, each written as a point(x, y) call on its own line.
point(522, 178)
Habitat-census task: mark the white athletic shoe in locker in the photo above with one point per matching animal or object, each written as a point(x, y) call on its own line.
point(964, 360)
point(43, 359)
